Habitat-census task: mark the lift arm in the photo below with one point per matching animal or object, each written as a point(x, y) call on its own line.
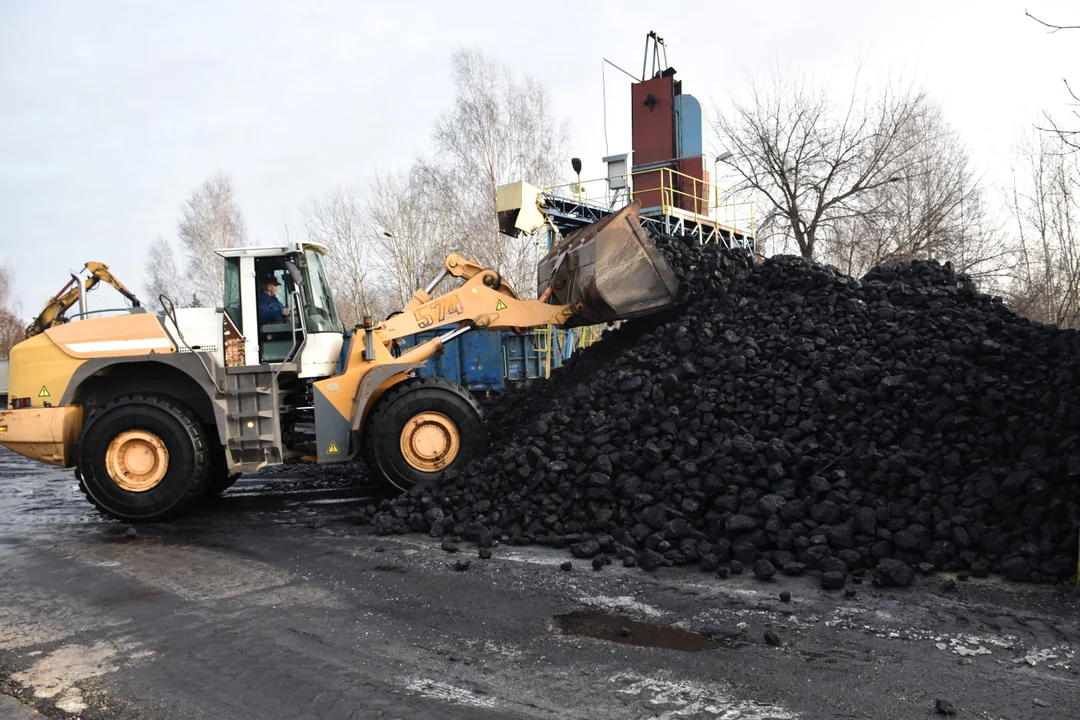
point(53, 314)
point(484, 301)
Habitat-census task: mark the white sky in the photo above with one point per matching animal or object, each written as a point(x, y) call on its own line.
point(112, 112)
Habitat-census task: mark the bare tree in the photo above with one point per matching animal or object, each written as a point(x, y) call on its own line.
point(1070, 139)
point(412, 227)
point(1045, 203)
point(817, 162)
point(12, 330)
point(338, 221)
point(5, 284)
point(936, 210)
point(164, 278)
point(500, 130)
point(210, 220)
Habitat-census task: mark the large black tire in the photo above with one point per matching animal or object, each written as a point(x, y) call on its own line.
point(188, 464)
point(404, 402)
point(220, 479)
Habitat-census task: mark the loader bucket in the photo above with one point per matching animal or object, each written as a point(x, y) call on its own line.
point(609, 270)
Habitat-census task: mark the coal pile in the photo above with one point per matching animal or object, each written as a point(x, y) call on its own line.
point(790, 418)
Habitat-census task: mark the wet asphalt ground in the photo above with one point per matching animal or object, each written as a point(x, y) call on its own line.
point(270, 603)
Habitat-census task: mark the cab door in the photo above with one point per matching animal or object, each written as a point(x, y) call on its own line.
point(280, 336)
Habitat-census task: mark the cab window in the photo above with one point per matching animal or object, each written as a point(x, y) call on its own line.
point(320, 311)
point(232, 292)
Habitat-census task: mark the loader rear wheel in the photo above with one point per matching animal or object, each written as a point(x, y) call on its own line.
point(143, 458)
point(422, 428)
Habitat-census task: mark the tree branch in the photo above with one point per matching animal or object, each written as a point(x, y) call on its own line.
point(1053, 28)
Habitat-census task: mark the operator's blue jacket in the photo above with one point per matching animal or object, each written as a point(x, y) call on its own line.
point(269, 309)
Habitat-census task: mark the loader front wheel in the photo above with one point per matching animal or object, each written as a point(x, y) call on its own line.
point(422, 428)
point(143, 458)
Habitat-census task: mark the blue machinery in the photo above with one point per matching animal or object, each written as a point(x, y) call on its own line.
point(490, 360)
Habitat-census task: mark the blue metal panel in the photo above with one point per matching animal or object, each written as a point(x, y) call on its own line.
point(474, 360)
point(534, 367)
point(515, 356)
point(690, 125)
point(448, 364)
point(481, 359)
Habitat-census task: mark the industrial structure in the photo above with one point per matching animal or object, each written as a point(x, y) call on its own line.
point(667, 173)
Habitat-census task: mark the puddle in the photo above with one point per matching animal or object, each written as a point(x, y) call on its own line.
point(625, 630)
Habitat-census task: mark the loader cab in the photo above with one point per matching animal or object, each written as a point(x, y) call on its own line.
point(279, 308)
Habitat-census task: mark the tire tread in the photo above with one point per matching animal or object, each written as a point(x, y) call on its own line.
point(192, 427)
point(382, 413)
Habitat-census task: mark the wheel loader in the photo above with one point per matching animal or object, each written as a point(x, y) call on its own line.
point(157, 410)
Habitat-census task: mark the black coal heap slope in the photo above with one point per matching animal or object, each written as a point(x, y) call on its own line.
point(791, 418)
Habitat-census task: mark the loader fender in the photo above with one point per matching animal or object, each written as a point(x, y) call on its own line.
point(180, 376)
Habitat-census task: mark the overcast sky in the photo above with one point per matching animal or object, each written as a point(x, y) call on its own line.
point(113, 112)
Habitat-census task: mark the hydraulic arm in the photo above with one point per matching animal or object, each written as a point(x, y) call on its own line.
point(69, 295)
point(485, 300)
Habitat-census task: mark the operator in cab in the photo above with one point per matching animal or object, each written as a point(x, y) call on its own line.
point(268, 308)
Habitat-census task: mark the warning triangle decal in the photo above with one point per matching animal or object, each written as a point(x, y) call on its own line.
point(44, 392)
point(333, 449)
point(501, 305)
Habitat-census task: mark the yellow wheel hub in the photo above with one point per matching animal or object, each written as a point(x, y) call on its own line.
point(137, 460)
point(430, 441)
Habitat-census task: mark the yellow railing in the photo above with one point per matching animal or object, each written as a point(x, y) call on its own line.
point(722, 206)
point(549, 345)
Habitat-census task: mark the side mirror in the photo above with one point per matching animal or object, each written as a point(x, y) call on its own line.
point(294, 273)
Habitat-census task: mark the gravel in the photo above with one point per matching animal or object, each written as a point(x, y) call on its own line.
point(793, 418)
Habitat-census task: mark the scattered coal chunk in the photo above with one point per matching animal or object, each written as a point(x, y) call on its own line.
point(832, 580)
point(485, 553)
point(462, 565)
point(763, 569)
point(131, 533)
point(893, 573)
point(790, 414)
point(944, 707)
point(449, 545)
point(785, 596)
point(772, 638)
point(566, 566)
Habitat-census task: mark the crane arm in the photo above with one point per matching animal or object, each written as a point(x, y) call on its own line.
point(53, 313)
